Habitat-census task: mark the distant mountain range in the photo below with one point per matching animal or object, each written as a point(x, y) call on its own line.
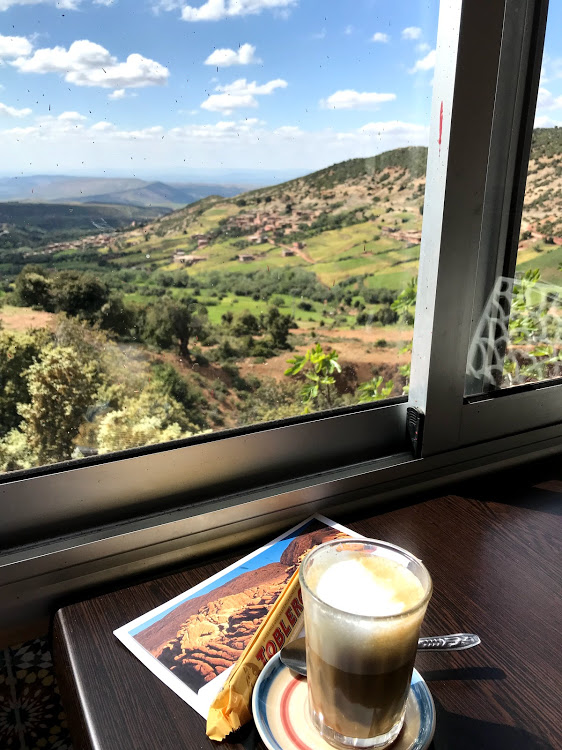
point(110, 190)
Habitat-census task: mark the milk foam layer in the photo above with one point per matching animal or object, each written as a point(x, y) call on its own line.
point(369, 586)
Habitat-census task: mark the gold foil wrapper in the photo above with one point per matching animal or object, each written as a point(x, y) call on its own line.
point(231, 708)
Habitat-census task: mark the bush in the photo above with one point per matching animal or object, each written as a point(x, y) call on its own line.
point(263, 349)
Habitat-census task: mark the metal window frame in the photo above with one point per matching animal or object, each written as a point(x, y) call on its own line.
point(212, 476)
point(474, 196)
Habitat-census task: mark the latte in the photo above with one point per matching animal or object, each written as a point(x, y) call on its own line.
point(363, 612)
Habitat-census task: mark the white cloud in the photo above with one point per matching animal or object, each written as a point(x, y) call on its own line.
point(107, 3)
point(350, 99)
point(61, 4)
point(402, 133)
point(54, 144)
point(13, 112)
point(423, 47)
point(216, 10)
point(411, 32)
point(102, 127)
point(71, 117)
point(546, 100)
point(426, 63)
point(240, 94)
point(224, 58)
point(378, 36)
point(348, 30)
point(544, 121)
point(14, 46)
point(117, 94)
point(319, 34)
point(85, 63)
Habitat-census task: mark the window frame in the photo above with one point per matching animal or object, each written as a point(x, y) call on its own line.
point(474, 197)
point(211, 481)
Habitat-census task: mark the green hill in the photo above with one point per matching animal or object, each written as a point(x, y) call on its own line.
point(360, 218)
point(39, 224)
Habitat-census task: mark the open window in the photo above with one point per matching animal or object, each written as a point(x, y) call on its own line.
point(485, 89)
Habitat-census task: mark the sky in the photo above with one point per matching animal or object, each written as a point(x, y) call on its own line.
point(159, 86)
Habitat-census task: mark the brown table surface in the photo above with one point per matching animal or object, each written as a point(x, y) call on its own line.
point(495, 565)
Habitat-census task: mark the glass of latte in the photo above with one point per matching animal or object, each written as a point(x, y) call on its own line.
point(364, 602)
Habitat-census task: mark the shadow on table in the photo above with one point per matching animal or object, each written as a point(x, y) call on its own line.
point(464, 673)
point(456, 732)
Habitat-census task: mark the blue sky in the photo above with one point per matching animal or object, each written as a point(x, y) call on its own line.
point(143, 86)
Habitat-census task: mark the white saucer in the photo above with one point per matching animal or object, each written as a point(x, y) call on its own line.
point(279, 709)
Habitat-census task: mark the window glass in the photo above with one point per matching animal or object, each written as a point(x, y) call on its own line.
point(208, 222)
point(519, 337)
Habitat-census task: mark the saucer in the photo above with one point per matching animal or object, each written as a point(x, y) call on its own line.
point(281, 716)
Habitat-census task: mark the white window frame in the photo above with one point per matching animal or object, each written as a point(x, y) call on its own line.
point(77, 524)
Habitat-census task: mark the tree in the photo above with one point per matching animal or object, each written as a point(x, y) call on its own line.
point(278, 327)
point(33, 287)
point(318, 368)
point(120, 317)
point(374, 390)
point(61, 387)
point(172, 322)
point(80, 294)
point(150, 418)
point(246, 325)
point(405, 303)
point(172, 385)
point(17, 353)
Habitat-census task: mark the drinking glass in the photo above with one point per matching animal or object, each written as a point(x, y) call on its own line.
point(359, 666)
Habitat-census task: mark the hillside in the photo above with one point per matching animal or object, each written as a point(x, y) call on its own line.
point(38, 224)
point(359, 218)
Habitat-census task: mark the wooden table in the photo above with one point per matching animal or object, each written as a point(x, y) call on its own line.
point(495, 565)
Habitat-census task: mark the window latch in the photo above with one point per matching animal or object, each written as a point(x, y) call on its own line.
point(414, 429)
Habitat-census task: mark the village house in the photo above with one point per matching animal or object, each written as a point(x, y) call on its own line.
point(187, 260)
point(245, 258)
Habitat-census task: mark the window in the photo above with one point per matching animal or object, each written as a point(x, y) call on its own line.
point(479, 139)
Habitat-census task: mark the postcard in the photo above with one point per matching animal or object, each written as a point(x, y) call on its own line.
point(192, 641)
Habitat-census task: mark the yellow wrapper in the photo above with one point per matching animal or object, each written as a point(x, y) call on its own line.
point(232, 706)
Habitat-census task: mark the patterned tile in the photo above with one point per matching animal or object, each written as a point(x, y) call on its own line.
point(31, 715)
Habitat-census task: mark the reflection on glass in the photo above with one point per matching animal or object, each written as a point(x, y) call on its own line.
point(519, 336)
point(205, 235)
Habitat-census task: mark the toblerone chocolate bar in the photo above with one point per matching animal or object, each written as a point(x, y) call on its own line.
point(232, 706)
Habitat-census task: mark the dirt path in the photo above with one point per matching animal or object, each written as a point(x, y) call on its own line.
point(296, 250)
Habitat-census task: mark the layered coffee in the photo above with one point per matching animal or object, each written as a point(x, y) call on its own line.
point(363, 612)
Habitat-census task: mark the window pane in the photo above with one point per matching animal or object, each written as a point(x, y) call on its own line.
point(519, 337)
point(212, 222)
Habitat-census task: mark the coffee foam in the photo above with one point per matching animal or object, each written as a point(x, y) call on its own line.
point(369, 586)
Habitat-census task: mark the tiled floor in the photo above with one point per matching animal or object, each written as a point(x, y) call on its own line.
point(31, 715)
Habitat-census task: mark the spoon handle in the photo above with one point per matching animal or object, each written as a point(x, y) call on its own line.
point(454, 642)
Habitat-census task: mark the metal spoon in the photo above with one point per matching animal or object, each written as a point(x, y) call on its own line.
point(293, 655)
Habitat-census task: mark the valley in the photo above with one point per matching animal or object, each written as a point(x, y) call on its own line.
point(207, 317)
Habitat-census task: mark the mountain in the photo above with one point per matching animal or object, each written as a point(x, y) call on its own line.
point(201, 637)
point(359, 218)
point(162, 194)
point(110, 190)
point(39, 224)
